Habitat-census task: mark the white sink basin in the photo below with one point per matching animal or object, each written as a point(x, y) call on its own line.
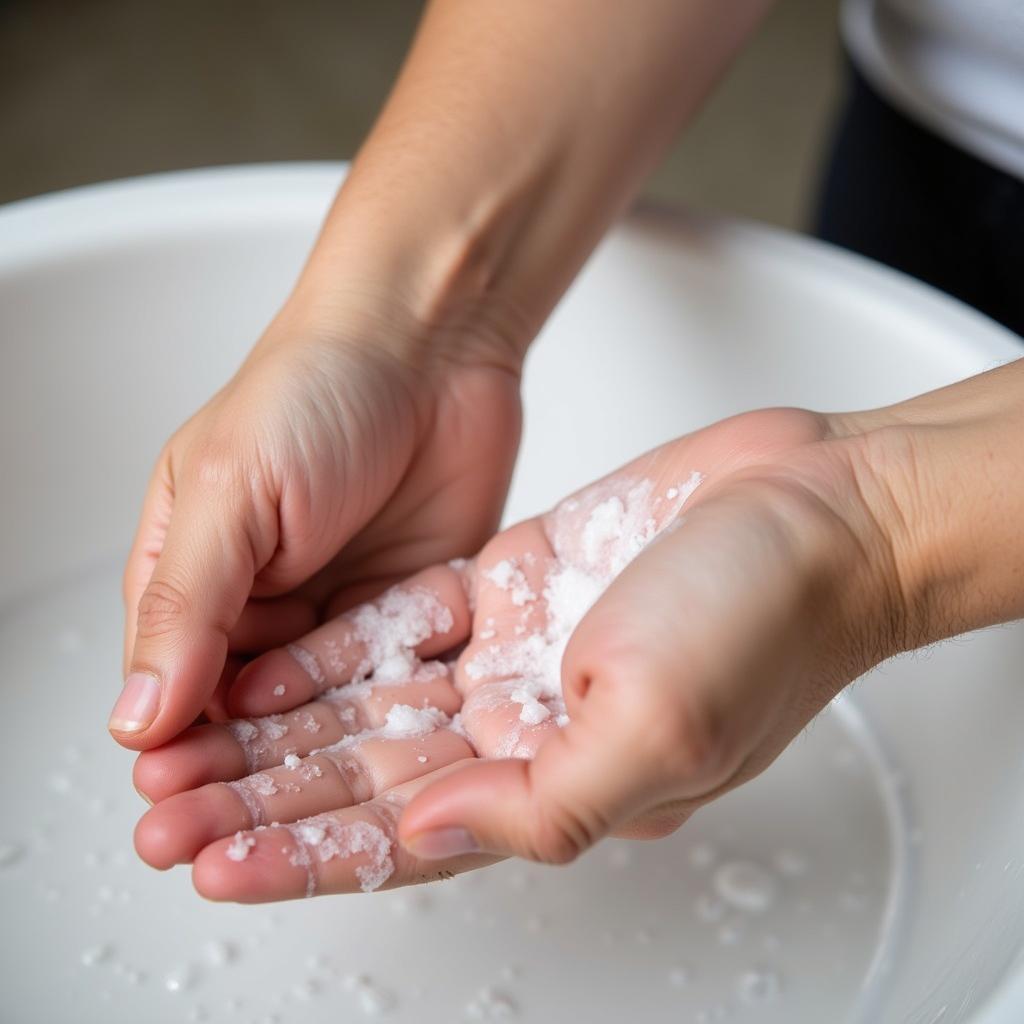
point(893, 829)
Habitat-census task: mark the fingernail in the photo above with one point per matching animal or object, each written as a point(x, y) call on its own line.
point(441, 843)
point(138, 704)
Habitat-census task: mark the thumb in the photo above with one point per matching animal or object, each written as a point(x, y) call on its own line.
point(579, 787)
point(194, 596)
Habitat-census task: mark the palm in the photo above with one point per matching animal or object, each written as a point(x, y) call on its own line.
point(337, 759)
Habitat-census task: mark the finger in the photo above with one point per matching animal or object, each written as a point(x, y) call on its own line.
point(382, 641)
point(342, 775)
point(581, 784)
point(220, 753)
point(199, 586)
point(343, 851)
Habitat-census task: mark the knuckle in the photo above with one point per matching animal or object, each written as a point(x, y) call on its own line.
point(213, 467)
point(556, 841)
point(562, 832)
point(162, 608)
point(689, 735)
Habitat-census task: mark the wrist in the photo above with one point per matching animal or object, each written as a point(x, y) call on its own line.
point(380, 300)
point(418, 283)
point(942, 475)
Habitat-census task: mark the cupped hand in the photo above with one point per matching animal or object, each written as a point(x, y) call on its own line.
point(653, 641)
point(336, 461)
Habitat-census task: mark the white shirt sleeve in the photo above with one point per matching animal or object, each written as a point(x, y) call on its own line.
point(955, 66)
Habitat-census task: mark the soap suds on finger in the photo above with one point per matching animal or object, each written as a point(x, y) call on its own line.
point(240, 847)
point(323, 838)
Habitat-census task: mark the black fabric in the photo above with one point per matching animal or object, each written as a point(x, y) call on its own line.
point(902, 195)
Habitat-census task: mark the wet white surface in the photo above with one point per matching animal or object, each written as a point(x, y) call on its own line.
point(770, 905)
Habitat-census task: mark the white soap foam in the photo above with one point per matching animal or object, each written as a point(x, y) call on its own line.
point(391, 628)
point(745, 886)
point(325, 838)
point(240, 847)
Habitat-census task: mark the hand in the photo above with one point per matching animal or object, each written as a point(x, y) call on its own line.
point(336, 461)
point(689, 662)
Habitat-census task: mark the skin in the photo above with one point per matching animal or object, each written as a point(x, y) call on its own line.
point(790, 571)
point(373, 429)
point(372, 432)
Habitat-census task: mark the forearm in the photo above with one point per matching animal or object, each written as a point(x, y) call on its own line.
point(947, 476)
point(514, 135)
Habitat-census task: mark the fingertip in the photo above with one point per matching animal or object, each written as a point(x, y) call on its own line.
point(215, 877)
point(152, 841)
point(178, 828)
point(135, 710)
point(265, 872)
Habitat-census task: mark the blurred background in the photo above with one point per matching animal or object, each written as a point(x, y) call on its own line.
point(97, 89)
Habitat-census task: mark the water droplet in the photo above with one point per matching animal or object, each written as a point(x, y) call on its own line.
point(643, 937)
point(306, 991)
point(790, 863)
point(729, 935)
point(679, 977)
point(73, 754)
point(96, 955)
point(10, 853)
point(757, 986)
point(181, 979)
point(218, 953)
point(620, 856)
point(372, 999)
point(709, 909)
point(702, 855)
point(60, 783)
point(490, 1004)
point(745, 886)
point(316, 962)
point(198, 1013)
point(518, 880)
